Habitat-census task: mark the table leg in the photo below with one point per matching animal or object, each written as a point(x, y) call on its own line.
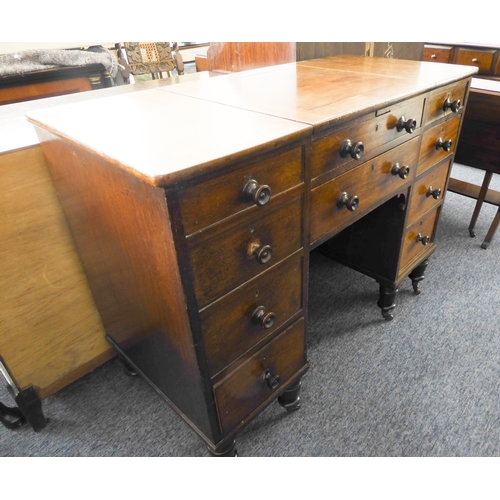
point(479, 203)
point(290, 399)
point(226, 450)
point(387, 294)
point(491, 230)
point(417, 275)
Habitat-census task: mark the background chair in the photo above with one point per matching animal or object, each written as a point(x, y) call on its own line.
point(155, 58)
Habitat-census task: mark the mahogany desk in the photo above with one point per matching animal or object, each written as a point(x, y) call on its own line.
point(197, 257)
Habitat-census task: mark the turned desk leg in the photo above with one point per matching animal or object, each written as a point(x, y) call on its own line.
point(417, 275)
point(479, 203)
point(387, 294)
point(491, 230)
point(225, 450)
point(290, 399)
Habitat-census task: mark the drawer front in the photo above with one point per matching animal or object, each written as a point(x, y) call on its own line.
point(482, 59)
point(436, 54)
point(446, 101)
point(413, 245)
point(372, 133)
point(246, 388)
point(241, 319)
point(227, 259)
point(435, 146)
point(370, 183)
point(428, 190)
point(255, 185)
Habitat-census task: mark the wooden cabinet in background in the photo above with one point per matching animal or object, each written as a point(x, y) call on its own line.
point(240, 56)
point(486, 58)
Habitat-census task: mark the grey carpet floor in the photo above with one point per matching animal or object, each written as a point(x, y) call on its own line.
point(424, 385)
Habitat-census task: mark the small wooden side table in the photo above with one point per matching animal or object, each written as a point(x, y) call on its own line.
point(479, 147)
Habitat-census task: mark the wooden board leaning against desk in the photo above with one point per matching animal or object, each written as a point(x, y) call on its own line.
point(51, 333)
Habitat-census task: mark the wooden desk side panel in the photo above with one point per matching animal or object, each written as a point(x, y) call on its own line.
point(51, 333)
point(121, 228)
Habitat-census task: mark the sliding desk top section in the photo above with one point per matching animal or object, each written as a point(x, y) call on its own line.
point(323, 92)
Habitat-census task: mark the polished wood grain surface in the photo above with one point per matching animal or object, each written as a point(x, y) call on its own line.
point(51, 333)
point(322, 91)
point(415, 72)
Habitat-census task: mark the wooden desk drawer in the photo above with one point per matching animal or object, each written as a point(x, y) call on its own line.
point(416, 236)
point(432, 149)
point(482, 59)
point(246, 388)
point(428, 190)
point(369, 183)
point(227, 259)
point(445, 101)
point(232, 325)
point(372, 133)
point(436, 54)
point(225, 195)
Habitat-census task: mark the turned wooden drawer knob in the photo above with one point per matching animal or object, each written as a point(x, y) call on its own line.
point(435, 193)
point(263, 253)
point(446, 145)
point(273, 381)
point(401, 170)
point(475, 60)
point(350, 202)
point(454, 106)
point(434, 56)
point(265, 319)
point(425, 240)
point(356, 150)
point(408, 125)
point(260, 194)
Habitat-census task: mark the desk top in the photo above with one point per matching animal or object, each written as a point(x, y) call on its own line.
point(320, 92)
point(236, 115)
point(16, 132)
